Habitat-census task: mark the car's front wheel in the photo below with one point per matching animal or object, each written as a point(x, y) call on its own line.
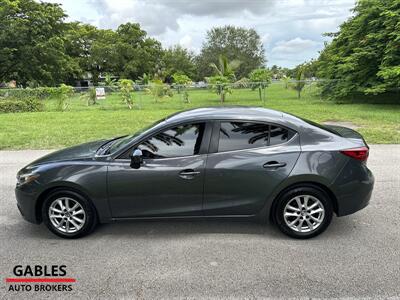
point(303, 212)
point(68, 214)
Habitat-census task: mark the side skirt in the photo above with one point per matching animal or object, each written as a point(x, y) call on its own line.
point(230, 217)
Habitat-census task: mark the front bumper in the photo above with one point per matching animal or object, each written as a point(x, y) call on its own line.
point(26, 203)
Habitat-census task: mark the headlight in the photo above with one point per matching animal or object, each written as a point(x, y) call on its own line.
point(26, 178)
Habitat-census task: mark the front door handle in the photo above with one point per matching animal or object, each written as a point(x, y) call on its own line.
point(274, 165)
point(188, 174)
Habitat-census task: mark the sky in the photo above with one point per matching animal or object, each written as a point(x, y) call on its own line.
point(291, 30)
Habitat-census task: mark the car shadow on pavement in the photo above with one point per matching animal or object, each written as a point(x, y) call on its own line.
point(160, 229)
point(153, 229)
point(163, 228)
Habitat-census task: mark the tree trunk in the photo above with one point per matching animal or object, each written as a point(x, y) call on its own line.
point(298, 94)
point(222, 97)
point(259, 93)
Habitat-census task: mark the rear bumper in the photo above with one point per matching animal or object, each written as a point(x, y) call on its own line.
point(353, 188)
point(26, 203)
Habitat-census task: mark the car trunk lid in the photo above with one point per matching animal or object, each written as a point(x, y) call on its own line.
point(348, 133)
point(361, 150)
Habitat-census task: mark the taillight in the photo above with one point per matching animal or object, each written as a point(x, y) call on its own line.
point(360, 154)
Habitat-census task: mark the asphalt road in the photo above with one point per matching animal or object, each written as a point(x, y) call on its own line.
point(358, 256)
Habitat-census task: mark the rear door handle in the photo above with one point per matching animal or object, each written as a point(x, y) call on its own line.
point(188, 173)
point(274, 165)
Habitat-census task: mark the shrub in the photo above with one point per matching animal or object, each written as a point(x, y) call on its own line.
point(63, 93)
point(38, 93)
point(260, 78)
point(126, 86)
point(90, 96)
point(220, 85)
point(299, 84)
point(158, 90)
point(242, 83)
point(13, 105)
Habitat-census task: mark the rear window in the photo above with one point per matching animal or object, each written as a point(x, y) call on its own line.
point(321, 126)
point(246, 135)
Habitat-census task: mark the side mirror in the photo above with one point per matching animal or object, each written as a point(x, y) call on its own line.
point(136, 158)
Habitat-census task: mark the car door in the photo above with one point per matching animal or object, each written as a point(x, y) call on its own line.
point(169, 182)
point(247, 161)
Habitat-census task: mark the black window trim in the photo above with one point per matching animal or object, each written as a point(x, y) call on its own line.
point(216, 132)
point(204, 146)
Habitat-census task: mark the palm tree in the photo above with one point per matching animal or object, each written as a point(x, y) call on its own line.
point(226, 68)
point(224, 74)
point(300, 82)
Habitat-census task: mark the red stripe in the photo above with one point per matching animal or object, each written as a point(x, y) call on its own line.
point(40, 279)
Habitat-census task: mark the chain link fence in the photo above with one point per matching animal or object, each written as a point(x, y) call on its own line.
point(177, 96)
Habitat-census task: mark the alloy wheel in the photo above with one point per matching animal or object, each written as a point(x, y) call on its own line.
point(304, 213)
point(67, 215)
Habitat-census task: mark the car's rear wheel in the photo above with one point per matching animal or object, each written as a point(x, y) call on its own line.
point(68, 214)
point(303, 212)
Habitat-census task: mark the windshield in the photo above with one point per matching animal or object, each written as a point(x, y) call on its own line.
point(123, 141)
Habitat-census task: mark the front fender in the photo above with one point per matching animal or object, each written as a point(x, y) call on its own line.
point(87, 178)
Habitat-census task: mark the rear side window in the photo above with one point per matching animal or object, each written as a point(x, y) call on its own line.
point(245, 135)
point(279, 135)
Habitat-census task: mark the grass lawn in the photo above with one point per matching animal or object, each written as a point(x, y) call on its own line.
point(53, 129)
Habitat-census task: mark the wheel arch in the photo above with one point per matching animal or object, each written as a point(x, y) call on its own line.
point(312, 184)
point(60, 187)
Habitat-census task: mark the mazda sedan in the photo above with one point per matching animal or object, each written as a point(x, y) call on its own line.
point(225, 162)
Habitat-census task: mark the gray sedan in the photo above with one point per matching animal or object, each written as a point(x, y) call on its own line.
point(225, 162)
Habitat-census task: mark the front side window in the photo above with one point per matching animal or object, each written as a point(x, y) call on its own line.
point(182, 140)
point(245, 135)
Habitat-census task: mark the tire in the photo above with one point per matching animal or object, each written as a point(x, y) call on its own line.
point(83, 210)
point(303, 212)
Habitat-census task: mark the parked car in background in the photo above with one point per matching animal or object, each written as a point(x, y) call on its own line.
point(227, 162)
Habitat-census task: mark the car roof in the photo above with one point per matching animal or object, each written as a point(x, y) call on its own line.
point(226, 112)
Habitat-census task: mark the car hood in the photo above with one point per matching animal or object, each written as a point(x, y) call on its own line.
point(83, 151)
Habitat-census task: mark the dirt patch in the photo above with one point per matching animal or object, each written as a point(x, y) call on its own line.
point(342, 123)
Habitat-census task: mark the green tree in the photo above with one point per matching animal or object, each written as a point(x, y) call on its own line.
point(126, 52)
point(236, 43)
point(93, 49)
point(364, 56)
point(32, 48)
point(179, 60)
point(260, 79)
point(138, 54)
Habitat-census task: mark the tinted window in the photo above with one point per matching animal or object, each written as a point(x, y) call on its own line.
point(279, 135)
point(182, 140)
point(245, 135)
point(242, 135)
point(329, 129)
